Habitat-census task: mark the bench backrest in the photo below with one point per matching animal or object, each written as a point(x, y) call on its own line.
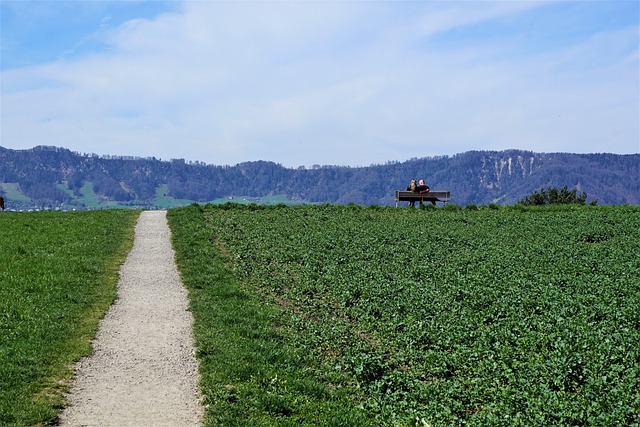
point(410, 195)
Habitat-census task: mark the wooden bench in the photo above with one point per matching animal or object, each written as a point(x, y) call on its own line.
point(432, 196)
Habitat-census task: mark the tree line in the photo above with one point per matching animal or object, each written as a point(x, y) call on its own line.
point(57, 175)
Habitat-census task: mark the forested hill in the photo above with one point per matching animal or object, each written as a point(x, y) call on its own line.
point(51, 177)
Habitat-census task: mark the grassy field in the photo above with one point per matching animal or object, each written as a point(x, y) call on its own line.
point(58, 275)
point(88, 199)
point(251, 374)
point(12, 192)
point(350, 315)
point(162, 200)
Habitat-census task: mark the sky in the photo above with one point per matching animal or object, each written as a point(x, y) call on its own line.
point(304, 83)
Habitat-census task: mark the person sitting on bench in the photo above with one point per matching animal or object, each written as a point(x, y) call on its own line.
point(413, 186)
point(422, 187)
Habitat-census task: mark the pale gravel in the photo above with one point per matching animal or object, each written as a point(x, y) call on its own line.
point(143, 371)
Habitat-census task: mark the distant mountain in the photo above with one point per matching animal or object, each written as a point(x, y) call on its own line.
point(52, 177)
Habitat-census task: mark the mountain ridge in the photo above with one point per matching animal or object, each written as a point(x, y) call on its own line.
point(55, 177)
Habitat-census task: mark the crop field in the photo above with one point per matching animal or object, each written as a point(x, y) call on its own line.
point(350, 315)
point(58, 275)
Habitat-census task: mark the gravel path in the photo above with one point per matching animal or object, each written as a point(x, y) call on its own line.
point(143, 371)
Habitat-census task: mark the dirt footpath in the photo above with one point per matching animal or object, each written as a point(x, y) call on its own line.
point(143, 371)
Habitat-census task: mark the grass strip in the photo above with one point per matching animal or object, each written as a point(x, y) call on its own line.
point(58, 277)
point(251, 374)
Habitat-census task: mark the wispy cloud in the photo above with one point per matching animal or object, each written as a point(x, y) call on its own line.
point(333, 83)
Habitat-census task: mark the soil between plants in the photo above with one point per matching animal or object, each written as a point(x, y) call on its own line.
point(143, 370)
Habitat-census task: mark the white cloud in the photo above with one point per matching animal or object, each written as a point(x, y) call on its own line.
point(326, 83)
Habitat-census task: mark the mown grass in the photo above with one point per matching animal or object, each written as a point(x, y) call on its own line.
point(442, 316)
point(163, 200)
point(252, 374)
point(58, 275)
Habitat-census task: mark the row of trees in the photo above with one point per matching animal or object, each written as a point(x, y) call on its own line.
point(476, 177)
point(553, 196)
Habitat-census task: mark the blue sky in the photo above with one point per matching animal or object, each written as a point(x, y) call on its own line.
point(314, 82)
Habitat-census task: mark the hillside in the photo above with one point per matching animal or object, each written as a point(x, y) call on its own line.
point(53, 177)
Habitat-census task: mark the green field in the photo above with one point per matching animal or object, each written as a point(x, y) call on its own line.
point(58, 275)
point(348, 315)
point(351, 315)
point(11, 191)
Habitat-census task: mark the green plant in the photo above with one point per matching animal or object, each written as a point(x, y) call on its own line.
point(485, 317)
point(553, 196)
point(251, 374)
point(428, 207)
point(452, 207)
point(456, 318)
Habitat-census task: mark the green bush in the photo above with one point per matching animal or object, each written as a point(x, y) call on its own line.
point(452, 207)
point(553, 196)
